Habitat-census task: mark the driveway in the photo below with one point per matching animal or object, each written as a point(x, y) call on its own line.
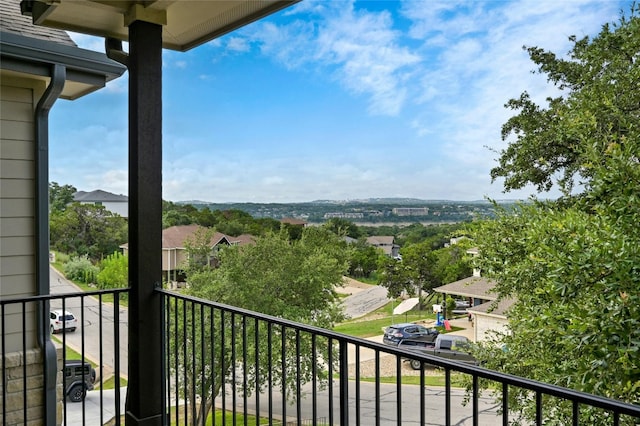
point(363, 298)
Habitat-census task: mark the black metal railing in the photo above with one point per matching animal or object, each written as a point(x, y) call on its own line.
point(96, 336)
point(259, 369)
point(229, 366)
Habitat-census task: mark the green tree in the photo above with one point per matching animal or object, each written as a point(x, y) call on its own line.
point(572, 265)
point(60, 196)
point(597, 105)
point(392, 275)
point(85, 229)
point(295, 280)
point(343, 227)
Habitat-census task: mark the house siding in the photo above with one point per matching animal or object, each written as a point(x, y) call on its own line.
point(17, 205)
point(485, 326)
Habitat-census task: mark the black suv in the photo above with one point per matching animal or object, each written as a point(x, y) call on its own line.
point(79, 378)
point(409, 334)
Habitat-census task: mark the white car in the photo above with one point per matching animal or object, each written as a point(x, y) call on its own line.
point(62, 321)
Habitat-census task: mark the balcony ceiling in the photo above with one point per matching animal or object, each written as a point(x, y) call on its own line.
point(186, 23)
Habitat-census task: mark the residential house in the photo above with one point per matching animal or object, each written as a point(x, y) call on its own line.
point(175, 256)
point(487, 312)
point(114, 203)
point(38, 66)
point(387, 244)
point(294, 221)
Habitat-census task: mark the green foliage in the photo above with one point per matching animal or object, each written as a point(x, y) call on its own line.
point(114, 271)
point(81, 269)
point(84, 229)
point(572, 266)
point(274, 276)
point(60, 196)
point(343, 227)
point(597, 106)
point(363, 259)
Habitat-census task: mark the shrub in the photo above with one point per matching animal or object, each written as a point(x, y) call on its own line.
point(81, 269)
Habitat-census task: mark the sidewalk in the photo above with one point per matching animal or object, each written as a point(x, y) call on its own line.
point(91, 414)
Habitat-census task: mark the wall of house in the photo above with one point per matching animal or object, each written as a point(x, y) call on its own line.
point(485, 325)
point(18, 98)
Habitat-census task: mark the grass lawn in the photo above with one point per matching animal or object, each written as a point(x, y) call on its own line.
point(373, 323)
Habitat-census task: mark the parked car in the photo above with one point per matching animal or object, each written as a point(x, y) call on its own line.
point(62, 321)
point(455, 348)
point(409, 334)
point(79, 378)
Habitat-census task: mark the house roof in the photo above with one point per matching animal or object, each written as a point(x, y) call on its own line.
point(380, 240)
point(242, 240)
point(26, 49)
point(12, 21)
point(292, 221)
point(177, 236)
point(493, 308)
point(478, 287)
point(99, 195)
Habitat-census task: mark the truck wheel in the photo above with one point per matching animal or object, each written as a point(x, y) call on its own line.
point(415, 364)
point(77, 393)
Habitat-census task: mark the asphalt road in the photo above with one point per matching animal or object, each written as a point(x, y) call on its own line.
point(95, 320)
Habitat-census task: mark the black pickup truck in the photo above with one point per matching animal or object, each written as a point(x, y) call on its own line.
point(452, 347)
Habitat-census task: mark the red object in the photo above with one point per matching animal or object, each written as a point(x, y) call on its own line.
point(446, 325)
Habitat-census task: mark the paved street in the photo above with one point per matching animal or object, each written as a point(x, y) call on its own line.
point(89, 317)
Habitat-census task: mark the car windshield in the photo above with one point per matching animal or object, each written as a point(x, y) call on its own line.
point(67, 317)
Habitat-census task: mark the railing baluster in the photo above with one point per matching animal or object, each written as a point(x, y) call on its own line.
point(270, 369)
point(223, 378)
point(377, 385)
point(283, 366)
point(398, 390)
point(538, 409)
point(447, 398)
point(298, 377)
point(194, 374)
point(344, 383)
point(256, 345)
point(244, 369)
point(357, 384)
point(330, 377)
point(576, 413)
point(233, 365)
point(314, 380)
point(203, 391)
point(505, 401)
point(423, 407)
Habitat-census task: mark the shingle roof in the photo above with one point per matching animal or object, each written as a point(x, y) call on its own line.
point(380, 240)
point(177, 236)
point(477, 287)
point(497, 308)
point(12, 21)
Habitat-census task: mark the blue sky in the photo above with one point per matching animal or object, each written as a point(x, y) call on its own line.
point(333, 100)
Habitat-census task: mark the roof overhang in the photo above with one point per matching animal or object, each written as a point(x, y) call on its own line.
point(86, 71)
point(186, 23)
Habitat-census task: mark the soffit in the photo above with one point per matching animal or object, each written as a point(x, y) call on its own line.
point(186, 23)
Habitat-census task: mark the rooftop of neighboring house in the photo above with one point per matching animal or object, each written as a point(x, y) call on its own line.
point(477, 287)
point(494, 307)
point(99, 196)
point(293, 221)
point(380, 240)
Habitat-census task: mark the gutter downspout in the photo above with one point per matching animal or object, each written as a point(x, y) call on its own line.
point(50, 358)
